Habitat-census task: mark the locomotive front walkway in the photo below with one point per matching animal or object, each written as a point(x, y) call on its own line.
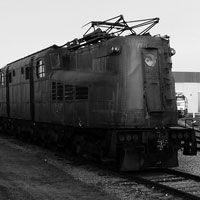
point(25, 174)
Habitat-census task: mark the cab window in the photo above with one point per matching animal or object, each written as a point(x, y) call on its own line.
point(2, 78)
point(40, 69)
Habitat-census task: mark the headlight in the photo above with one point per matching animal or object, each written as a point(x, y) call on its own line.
point(150, 60)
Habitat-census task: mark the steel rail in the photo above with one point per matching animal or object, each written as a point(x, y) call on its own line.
point(183, 174)
point(169, 189)
point(174, 191)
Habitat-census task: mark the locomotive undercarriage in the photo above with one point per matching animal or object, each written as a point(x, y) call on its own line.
point(127, 149)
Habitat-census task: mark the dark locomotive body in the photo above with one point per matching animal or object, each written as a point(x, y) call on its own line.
point(112, 98)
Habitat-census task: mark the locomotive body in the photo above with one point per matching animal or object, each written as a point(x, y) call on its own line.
point(111, 97)
point(118, 88)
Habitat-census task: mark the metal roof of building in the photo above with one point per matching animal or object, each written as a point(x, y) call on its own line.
point(187, 77)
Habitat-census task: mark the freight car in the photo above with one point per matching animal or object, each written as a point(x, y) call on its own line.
point(109, 95)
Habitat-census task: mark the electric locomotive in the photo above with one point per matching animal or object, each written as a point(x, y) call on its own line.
point(109, 95)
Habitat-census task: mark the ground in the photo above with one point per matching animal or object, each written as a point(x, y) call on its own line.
point(27, 175)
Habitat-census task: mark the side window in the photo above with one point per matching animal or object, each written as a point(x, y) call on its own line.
point(60, 92)
point(68, 93)
point(40, 69)
point(10, 77)
point(2, 79)
point(27, 73)
point(57, 91)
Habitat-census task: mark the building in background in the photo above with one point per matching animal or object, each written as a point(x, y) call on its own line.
point(189, 84)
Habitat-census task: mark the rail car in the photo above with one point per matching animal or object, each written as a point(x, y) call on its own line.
point(182, 104)
point(109, 95)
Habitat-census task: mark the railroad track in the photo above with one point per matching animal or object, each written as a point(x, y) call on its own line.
point(158, 182)
point(174, 182)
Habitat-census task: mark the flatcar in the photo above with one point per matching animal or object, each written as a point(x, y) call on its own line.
point(108, 95)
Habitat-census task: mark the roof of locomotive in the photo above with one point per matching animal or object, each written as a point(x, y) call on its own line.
point(39, 53)
point(112, 30)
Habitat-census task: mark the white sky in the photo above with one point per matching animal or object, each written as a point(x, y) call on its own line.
point(28, 26)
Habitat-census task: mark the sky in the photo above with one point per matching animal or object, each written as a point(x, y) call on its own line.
point(28, 26)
